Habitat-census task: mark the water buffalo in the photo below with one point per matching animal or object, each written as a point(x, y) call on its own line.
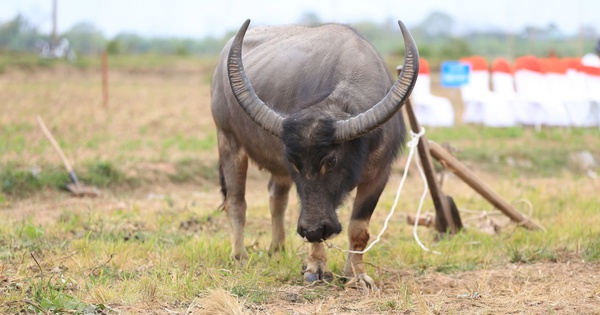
point(315, 107)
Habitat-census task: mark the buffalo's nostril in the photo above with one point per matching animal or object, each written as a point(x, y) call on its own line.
point(320, 233)
point(331, 229)
point(302, 232)
point(314, 236)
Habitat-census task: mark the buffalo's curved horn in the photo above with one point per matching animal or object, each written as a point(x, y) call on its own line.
point(361, 124)
point(244, 93)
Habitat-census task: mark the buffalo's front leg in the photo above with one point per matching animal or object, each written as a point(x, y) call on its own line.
point(234, 167)
point(316, 267)
point(354, 270)
point(367, 196)
point(279, 188)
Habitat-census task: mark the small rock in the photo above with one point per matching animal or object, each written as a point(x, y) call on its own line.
point(291, 297)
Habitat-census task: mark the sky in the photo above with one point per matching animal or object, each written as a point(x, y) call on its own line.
point(201, 18)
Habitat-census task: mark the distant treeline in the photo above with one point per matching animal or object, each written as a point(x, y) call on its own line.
point(19, 35)
point(435, 37)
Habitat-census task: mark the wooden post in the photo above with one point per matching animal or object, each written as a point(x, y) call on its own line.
point(104, 79)
point(443, 215)
point(468, 177)
point(54, 35)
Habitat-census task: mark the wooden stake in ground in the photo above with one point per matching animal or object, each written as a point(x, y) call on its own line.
point(105, 79)
point(479, 186)
point(445, 220)
point(74, 187)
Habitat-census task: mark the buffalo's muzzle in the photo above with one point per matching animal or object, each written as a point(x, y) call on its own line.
point(319, 231)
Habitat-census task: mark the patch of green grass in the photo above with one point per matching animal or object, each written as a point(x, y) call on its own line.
point(19, 182)
point(30, 231)
point(51, 297)
point(184, 143)
point(194, 170)
point(525, 254)
point(26, 61)
point(518, 150)
point(591, 249)
point(12, 137)
point(103, 174)
point(473, 132)
point(252, 293)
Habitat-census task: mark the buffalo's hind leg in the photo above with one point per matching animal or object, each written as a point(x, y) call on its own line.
point(367, 196)
point(234, 166)
point(279, 188)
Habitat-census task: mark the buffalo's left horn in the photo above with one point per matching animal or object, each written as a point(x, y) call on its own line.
point(244, 93)
point(365, 122)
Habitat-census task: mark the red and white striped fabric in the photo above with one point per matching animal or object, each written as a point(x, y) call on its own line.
point(544, 105)
point(502, 77)
point(482, 105)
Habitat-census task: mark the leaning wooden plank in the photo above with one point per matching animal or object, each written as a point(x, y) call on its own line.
point(470, 179)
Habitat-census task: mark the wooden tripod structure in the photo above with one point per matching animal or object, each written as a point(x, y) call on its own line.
point(447, 218)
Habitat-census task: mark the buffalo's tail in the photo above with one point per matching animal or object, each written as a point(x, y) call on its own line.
point(223, 187)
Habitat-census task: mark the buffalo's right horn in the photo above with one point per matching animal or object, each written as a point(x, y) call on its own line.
point(244, 93)
point(365, 122)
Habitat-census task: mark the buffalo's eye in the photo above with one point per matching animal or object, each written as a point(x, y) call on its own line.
point(331, 163)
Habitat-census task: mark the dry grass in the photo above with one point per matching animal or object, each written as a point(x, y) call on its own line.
point(219, 301)
point(160, 248)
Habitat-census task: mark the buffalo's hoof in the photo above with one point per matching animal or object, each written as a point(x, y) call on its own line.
point(310, 277)
point(361, 282)
point(239, 256)
point(276, 249)
point(319, 274)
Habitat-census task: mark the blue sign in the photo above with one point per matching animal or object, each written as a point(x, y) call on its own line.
point(454, 73)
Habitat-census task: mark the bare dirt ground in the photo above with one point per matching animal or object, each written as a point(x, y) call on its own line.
point(546, 288)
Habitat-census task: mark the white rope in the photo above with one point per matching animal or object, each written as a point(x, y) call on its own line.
point(425, 188)
point(412, 144)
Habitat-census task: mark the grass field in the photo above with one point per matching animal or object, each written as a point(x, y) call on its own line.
point(155, 243)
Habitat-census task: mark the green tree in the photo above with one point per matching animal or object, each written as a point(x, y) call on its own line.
point(18, 35)
point(85, 38)
point(113, 47)
point(454, 48)
point(437, 24)
point(132, 43)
